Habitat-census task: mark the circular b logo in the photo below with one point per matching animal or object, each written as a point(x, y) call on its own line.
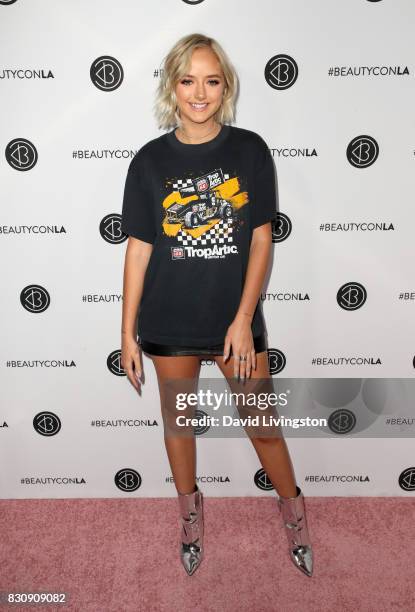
point(276, 361)
point(106, 73)
point(281, 71)
point(351, 296)
point(127, 480)
point(362, 151)
point(47, 423)
point(262, 481)
point(110, 229)
point(407, 479)
point(35, 298)
point(281, 227)
point(342, 421)
point(21, 154)
point(114, 363)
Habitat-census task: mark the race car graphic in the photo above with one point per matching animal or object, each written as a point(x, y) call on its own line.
point(208, 205)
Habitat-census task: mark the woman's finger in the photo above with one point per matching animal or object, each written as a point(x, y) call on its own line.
point(249, 364)
point(226, 348)
point(131, 375)
point(236, 362)
point(253, 358)
point(246, 364)
point(138, 371)
point(242, 365)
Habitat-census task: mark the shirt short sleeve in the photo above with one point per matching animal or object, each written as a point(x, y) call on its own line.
point(138, 215)
point(266, 194)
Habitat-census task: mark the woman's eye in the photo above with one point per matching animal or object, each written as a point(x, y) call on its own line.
point(211, 81)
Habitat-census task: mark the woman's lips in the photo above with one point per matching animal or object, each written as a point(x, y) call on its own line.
point(199, 107)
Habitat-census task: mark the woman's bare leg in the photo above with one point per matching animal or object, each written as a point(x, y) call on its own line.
point(272, 452)
point(181, 449)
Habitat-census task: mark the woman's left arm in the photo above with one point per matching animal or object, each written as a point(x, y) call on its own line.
point(239, 332)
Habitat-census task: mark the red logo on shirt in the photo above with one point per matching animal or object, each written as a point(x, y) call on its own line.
point(177, 252)
point(202, 185)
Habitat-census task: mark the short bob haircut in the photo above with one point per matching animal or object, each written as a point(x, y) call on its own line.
point(174, 67)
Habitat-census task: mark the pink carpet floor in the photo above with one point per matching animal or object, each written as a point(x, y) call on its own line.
point(115, 555)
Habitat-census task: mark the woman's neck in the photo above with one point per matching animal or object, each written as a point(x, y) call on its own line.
point(197, 134)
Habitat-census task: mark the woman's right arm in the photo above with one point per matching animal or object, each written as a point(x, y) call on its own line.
point(137, 256)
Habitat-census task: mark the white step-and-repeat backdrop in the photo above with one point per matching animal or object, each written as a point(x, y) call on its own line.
point(330, 87)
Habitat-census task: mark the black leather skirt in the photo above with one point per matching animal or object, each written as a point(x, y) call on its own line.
point(260, 345)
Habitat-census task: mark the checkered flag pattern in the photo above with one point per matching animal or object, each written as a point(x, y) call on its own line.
point(220, 233)
point(181, 183)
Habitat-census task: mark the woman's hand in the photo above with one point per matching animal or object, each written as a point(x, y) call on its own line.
point(131, 356)
point(239, 336)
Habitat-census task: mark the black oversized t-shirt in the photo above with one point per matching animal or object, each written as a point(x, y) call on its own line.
point(198, 205)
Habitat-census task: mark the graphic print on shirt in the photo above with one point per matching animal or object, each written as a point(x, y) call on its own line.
point(202, 214)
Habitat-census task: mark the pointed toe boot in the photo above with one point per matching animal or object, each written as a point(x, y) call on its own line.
point(295, 524)
point(192, 528)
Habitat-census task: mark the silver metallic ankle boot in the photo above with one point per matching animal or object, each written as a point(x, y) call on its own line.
point(295, 523)
point(192, 527)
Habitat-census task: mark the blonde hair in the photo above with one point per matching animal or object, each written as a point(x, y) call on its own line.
point(175, 65)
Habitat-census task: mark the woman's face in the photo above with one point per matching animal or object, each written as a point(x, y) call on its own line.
point(199, 92)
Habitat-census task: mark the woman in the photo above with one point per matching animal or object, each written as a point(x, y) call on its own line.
point(198, 205)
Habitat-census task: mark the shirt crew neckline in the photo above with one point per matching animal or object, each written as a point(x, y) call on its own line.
point(200, 147)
